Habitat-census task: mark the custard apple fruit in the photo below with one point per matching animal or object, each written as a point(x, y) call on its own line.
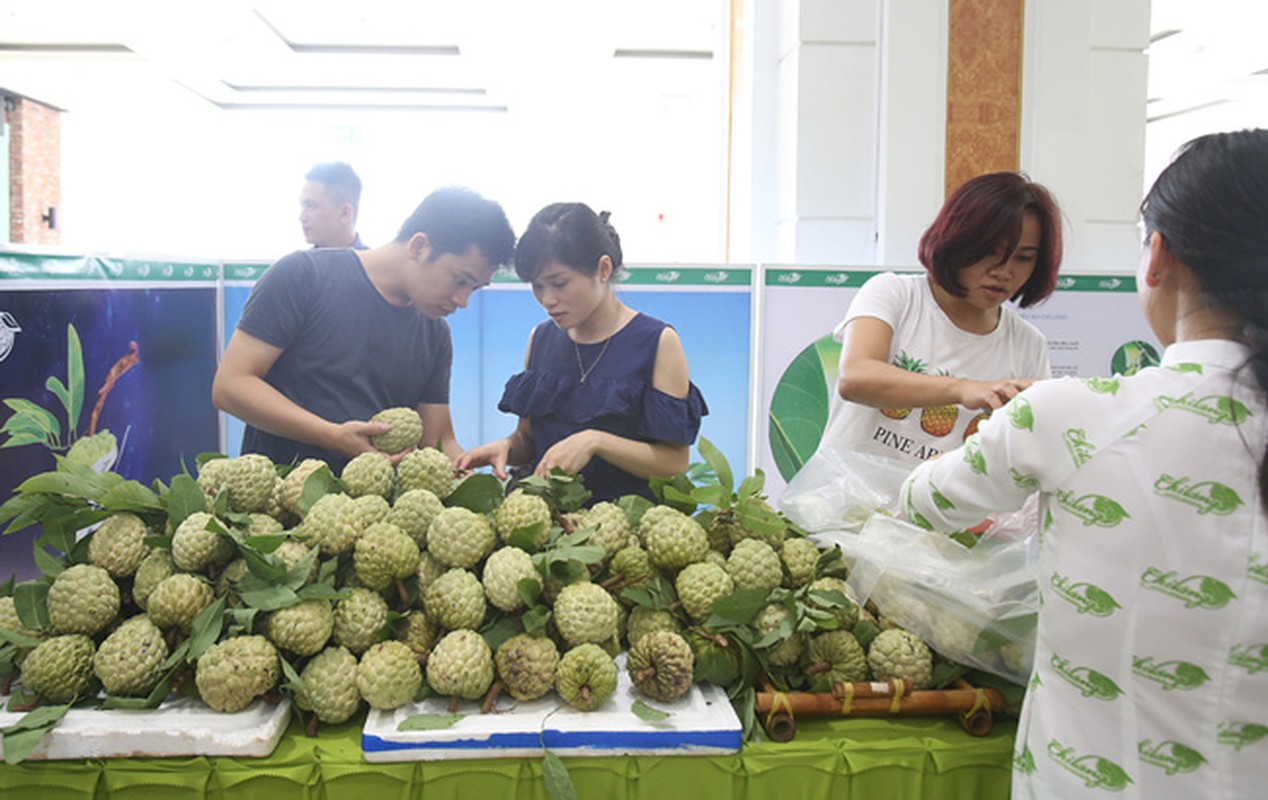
point(503, 571)
point(303, 629)
point(896, 654)
point(787, 651)
point(358, 619)
point(644, 620)
point(585, 613)
point(461, 665)
point(118, 544)
point(612, 527)
point(195, 548)
point(699, 586)
point(368, 474)
point(585, 677)
point(413, 512)
point(522, 510)
point(526, 664)
point(837, 657)
point(427, 468)
point(455, 600)
point(177, 600)
point(672, 539)
point(154, 567)
point(60, 668)
point(459, 537)
point(661, 666)
point(382, 554)
point(292, 490)
point(129, 663)
point(330, 686)
point(406, 429)
point(233, 672)
point(83, 599)
point(388, 675)
point(754, 565)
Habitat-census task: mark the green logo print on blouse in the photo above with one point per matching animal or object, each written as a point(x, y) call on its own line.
point(1088, 681)
point(1181, 675)
point(973, 456)
point(1021, 414)
point(1217, 409)
point(1094, 770)
point(1028, 482)
point(1206, 496)
point(1086, 598)
point(1172, 756)
point(1258, 570)
point(1093, 509)
point(1241, 734)
point(1080, 448)
point(1251, 657)
point(1024, 762)
point(1103, 385)
point(1197, 591)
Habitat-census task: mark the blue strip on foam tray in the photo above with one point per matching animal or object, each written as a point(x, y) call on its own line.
point(560, 740)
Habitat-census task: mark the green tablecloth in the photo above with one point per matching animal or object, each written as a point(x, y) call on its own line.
point(845, 759)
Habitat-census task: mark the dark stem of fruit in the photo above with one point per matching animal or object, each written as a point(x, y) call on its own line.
point(645, 675)
point(310, 728)
point(272, 696)
point(453, 705)
point(402, 593)
point(815, 669)
point(716, 638)
point(490, 699)
point(614, 582)
point(676, 605)
point(585, 694)
point(22, 708)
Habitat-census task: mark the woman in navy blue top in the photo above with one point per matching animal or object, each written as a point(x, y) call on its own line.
point(605, 390)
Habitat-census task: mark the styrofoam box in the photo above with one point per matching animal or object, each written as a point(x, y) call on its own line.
point(181, 726)
point(701, 723)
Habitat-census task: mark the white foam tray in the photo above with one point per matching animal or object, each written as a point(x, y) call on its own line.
point(701, 723)
point(181, 726)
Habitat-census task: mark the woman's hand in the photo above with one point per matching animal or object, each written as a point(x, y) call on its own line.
point(570, 454)
point(352, 438)
point(990, 395)
point(493, 454)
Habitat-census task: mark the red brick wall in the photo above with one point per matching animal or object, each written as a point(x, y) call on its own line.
point(35, 170)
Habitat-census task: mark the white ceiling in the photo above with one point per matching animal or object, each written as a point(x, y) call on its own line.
point(244, 54)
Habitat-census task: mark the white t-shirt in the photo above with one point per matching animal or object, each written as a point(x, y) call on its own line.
point(895, 440)
point(1151, 658)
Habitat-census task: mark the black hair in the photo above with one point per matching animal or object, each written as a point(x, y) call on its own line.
point(342, 184)
point(570, 234)
point(455, 218)
point(1211, 207)
point(984, 216)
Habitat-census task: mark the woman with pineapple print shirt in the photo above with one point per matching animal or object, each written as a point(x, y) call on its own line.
point(1151, 660)
point(925, 357)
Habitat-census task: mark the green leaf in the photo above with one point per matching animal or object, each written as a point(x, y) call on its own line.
point(946, 672)
point(74, 376)
point(206, 628)
point(293, 682)
point(528, 590)
point(131, 496)
point(321, 591)
point(23, 510)
point(799, 405)
point(525, 537)
point(737, 608)
point(648, 714)
point(501, 629)
point(265, 596)
point(184, 498)
point(23, 439)
point(14, 637)
point(49, 565)
point(717, 461)
point(59, 390)
point(429, 722)
point(536, 618)
point(31, 420)
point(177, 656)
point(268, 542)
point(558, 781)
point(634, 506)
point(865, 631)
point(752, 485)
point(30, 600)
point(316, 486)
point(674, 492)
point(62, 483)
point(479, 492)
point(268, 569)
point(25, 735)
point(711, 496)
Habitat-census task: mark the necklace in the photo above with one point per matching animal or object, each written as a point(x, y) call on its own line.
point(585, 371)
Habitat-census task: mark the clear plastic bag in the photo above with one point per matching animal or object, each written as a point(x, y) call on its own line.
point(976, 606)
point(839, 489)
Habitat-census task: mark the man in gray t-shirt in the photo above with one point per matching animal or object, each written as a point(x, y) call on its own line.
point(330, 337)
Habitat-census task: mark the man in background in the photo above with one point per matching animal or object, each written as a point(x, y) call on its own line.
point(328, 206)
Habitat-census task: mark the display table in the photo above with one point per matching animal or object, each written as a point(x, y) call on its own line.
point(846, 759)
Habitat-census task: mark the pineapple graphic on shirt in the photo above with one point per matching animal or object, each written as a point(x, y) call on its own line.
point(904, 361)
point(939, 420)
